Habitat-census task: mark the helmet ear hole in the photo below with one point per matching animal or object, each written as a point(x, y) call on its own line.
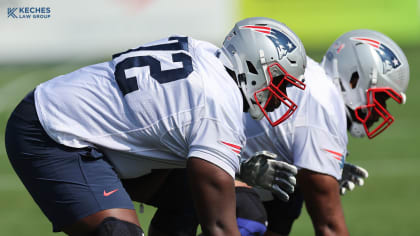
point(354, 80)
point(251, 68)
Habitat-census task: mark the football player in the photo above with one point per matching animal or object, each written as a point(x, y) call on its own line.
point(348, 91)
point(177, 102)
point(361, 71)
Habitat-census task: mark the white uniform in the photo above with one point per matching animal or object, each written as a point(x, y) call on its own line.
point(315, 136)
point(150, 107)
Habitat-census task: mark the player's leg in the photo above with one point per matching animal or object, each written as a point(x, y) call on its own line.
point(281, 215)
point(111, 222)
point(153, 183)
point(112, 226)
point(167, 222)
point(175, 214)
point(108, 222)
point(67, 184)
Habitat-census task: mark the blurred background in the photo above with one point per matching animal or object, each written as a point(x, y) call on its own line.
point(67, 35)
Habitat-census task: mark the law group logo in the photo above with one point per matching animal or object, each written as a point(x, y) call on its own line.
point(11, 12)
point(29, 12)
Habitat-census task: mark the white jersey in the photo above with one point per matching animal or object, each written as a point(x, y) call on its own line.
point(150, 107)
point(315, 136)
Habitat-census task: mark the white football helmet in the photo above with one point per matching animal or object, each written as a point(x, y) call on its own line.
point(265, 56)
point(369, 68)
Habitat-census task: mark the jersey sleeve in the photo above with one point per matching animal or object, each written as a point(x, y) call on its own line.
point(218, 144)
point(219, 135)
point(318, 150)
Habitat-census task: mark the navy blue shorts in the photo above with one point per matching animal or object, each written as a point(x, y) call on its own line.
point(68, 184)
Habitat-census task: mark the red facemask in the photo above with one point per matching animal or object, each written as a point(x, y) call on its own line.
point(375, 110)
point(277, 93)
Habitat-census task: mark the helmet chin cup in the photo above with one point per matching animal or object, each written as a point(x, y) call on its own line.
point(255, 112)
point(374, 111)
point(357, 130)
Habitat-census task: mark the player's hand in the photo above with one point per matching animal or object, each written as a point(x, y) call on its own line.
point(263, 170)
point(352, 175)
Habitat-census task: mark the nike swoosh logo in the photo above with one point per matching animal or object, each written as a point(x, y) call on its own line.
point(106, 194)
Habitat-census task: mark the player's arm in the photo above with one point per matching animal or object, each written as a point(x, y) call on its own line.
point(214, 197)
point(322, 199)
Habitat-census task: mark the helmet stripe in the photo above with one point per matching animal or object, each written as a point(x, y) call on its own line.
point(255, 27)
point(261, 29)
point(369, 40)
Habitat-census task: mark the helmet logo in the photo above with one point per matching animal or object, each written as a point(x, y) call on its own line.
point(280, 40)
point(388, 57)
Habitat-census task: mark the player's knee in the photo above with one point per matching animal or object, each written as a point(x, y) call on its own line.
point(169, 222)
point(111, 226)
point(249, 205)
point(250, 227)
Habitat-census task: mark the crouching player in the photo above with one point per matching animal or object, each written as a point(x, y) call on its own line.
point(177, 102)
point(347, 92)
point(359, 74)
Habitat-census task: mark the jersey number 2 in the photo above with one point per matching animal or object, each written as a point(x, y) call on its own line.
point(129, 84)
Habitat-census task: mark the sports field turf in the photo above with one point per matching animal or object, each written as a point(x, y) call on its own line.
point(388, 204)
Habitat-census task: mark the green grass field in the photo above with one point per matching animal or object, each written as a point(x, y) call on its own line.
point(388, 204)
